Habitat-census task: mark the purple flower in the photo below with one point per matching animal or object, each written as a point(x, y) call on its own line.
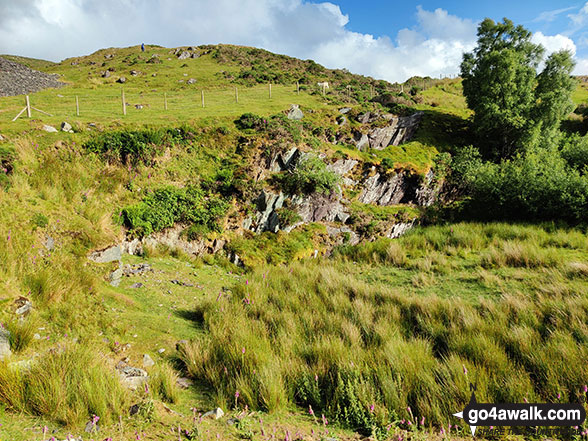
point(310, 411)
point(465, 370)
point(585, 388)
point(236, 394)
point(372, 407)
point(242, 350)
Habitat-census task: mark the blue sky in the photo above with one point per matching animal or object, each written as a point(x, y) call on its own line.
point(549, 17)
point(384, 39)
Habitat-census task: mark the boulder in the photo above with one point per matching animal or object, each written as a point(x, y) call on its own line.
point(116, 277)
point(184, 55)
point(121, 80)
point(50, 243)
point(191, 81)
point(216, 414)
point(106, 74)
point(66, 127)
point(362, 141)
point(110, 254)
point(23, 306)
point(4, 343)
point(147, 361)
point(132, 377)
point(295, 113)
point(49, 129)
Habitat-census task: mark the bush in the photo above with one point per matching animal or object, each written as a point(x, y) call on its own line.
point(7, 158)
point(537, 185)
point(310, 175)
point(135, 146)
point(249, 121)
point(166, 206)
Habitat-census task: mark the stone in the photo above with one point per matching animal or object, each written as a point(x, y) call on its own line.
point(121, 80)
point(37, 336)
point(134, 73)
point(106, 74)
point(23, 306)
point(91, 427)
point(184, 55)
point(138, 106)
point(160, 350)
point(191, 81)
point(137, 285)
point(195, 54)
point(66, 127)
point(134, 409)
point(134, 247)
point(49, 129)
point(216, 414)
point(295, 113)
point(341, 120)
point(180, 344)
point(4, 343)
point(342, 166)
point(184, 382)
point(110, 254)
point(2, 138)
point(50, 243)
point(17, 79)
point(362, 141)
point(132, 377)
point(116, 277)
point(344, 110)
point(147, 361)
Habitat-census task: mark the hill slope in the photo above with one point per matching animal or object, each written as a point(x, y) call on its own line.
point(248, 252)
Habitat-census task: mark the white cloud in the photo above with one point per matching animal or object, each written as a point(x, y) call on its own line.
point(554, 43)
point(56, 29)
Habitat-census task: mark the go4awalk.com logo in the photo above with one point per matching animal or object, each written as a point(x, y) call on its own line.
point(521, 414)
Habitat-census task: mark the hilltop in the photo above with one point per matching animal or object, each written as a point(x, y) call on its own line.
point(302, 261)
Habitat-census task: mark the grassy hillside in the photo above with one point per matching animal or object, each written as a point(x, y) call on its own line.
point(379, 339)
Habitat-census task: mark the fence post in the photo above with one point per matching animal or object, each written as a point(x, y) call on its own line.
point(28, 106)
point(236, 96)
point(202, 96)
point(124, 105)
point(77, 106)
point(165, 100)
point(270, 90)
point(297, 88)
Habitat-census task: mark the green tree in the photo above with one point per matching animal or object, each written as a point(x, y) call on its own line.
point(513, 106)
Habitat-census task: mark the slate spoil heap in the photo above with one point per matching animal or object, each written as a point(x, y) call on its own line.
point(16, 79)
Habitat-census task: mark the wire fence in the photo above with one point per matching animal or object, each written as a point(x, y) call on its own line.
point(182, 104)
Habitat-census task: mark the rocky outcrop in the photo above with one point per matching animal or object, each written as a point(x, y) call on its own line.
point(16, 79)
point(398, 129)
point(398, 188)
point(4, 343)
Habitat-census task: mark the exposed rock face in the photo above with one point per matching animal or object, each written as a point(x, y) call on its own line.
point(398, 188)
point(285, 161)
point(266, 218)
point(16, 79)
point(399, 129)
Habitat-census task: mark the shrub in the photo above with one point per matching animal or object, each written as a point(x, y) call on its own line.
point(310, 175)
point(249, 121)
point(163, 383)
point(168, 205)
point(7, 158)
point(40, 220)
point(135, 146)
point(21, 334)
point(537, 185)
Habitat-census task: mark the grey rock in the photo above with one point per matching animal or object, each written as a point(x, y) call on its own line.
point(344, 110)
point(37, 337)
point(140, 268)
point(138, 106)
point(91, 427)
point(184, 55)
point(342, 166)
point(121, 80)
point(147, 361)
point(4, 343)
point(195, 54)
point(362, 141)
point(160, 350)
point(110, 254)
point(17, 79)
point(66, 127)
point(106, 74)
point(295, 113)
point(50, 243)
point(134, 247)
point(180, 344)
point(49, 129)
point(399, 229)
point(266, 217)
point(132, 377)
point(184, 382)
point(137, 285)
point(134, 73)
point(2, 138)
point(341, 120)
point(191, 81)
point(24, 309)
point(216, 414)
point(116, 277)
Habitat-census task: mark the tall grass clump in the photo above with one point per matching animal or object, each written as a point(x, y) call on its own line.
point(329, 337)
point(68, 386)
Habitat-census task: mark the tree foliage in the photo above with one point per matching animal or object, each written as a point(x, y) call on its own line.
point(514, 107)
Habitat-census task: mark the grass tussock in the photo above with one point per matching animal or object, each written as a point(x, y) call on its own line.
point(363, 353)
point(69, 386)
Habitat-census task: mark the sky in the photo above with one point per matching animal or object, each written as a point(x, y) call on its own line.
point(389, 40)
